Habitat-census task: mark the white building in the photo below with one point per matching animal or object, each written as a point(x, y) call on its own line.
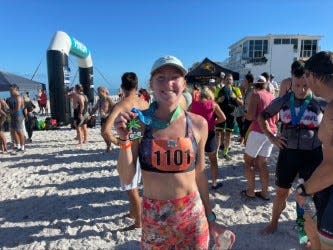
point(272, 53)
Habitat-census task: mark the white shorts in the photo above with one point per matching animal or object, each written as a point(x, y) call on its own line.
point(136, 179)
point(258, 144)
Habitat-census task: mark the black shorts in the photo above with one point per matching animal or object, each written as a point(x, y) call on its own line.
point(296, 161)
point(228, 124)
point(324, 205)
point(77, 121)
point(103, 120)
point(211, 142)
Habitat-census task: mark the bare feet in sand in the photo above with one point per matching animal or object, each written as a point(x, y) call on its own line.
point(129, 215)
point(136, 224)
point(269, 229)
point(131, 227)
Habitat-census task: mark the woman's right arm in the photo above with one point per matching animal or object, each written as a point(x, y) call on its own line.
point(219, 114)
point(271, 110)
point(126, 161)
point(94, 109)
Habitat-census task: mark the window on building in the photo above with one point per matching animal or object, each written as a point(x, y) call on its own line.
point(286, 41)
point(294, 42)
point(245, 50)
point(308, 48)
point(255, 49)
point(265, 49)
point(257, 54)
point(277, 41)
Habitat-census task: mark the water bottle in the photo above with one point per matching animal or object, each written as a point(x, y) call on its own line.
point(224, 240)
point(309, 206)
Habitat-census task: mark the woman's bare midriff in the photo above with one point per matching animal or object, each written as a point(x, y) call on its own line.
point(168, 186)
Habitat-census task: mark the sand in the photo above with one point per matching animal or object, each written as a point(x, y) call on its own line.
point(59, 196)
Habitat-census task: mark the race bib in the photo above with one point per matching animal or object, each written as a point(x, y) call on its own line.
point(172, 155)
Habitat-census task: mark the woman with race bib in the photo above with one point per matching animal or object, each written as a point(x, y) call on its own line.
point(176, 209)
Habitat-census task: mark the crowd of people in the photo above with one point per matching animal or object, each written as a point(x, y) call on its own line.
point(266, 116)
point(20, 114)
point(164, 138)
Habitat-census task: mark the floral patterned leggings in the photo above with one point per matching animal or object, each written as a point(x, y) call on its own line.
point(174, 224)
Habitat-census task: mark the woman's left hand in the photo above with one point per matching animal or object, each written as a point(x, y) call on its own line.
point(216, 230)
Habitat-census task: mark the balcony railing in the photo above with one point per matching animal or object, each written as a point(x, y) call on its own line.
point(260, 60)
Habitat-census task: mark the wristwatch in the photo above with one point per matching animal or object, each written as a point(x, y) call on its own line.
point(301, 190)
point(211, 217)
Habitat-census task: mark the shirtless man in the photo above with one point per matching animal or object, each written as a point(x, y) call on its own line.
point(80, 106)
point(16, 105)
point(319, 75)
point(130, 100)
point(104, 105)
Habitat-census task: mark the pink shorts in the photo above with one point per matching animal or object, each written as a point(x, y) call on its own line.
point(174, 224)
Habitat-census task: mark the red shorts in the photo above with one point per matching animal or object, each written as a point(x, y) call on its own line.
point(174, 224)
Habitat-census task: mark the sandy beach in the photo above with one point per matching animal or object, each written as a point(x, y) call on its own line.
point(59, 196)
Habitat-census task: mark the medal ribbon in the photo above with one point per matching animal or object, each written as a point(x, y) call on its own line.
point(147, 116)
point(295, 119)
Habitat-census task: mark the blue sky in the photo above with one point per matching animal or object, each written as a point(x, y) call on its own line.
point(129, 35)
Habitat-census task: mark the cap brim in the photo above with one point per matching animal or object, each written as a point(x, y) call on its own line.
point(183, 70)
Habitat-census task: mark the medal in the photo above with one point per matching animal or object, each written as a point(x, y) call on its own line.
point(147, 117)
point(135, 129)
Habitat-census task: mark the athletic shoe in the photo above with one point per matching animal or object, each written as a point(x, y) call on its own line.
point(227, 157)
point(21, 151)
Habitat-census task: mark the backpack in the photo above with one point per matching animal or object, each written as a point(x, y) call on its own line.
point(50, 123)
point(91, 122)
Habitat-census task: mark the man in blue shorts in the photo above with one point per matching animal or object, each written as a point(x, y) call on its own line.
point(16, 105)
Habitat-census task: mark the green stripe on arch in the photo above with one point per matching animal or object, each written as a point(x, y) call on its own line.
point(78, 48)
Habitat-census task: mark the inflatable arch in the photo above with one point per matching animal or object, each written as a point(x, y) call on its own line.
point(58, 73)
